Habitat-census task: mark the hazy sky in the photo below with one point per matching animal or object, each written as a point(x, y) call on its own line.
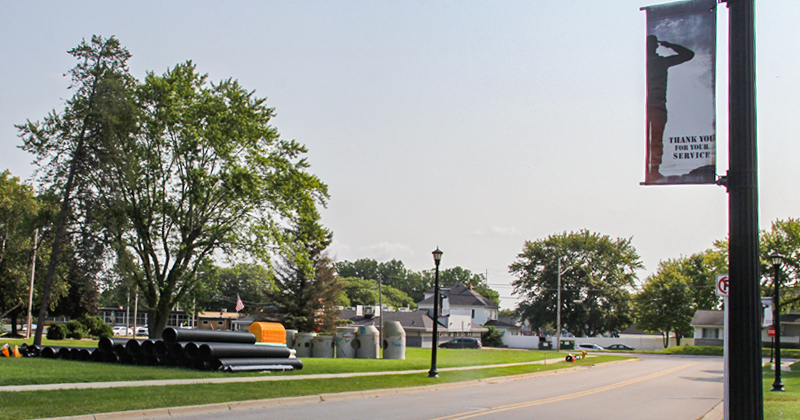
point(468, 125)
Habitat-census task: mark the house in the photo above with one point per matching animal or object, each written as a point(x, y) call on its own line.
point(708, 327)
point(790, 331)
point(462, 300)
point(216, 320)
point(464, 312)
point(507, 325)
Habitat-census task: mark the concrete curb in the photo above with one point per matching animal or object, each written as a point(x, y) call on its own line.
point(716, 413)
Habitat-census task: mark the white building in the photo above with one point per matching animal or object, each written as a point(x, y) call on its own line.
point(465, 309)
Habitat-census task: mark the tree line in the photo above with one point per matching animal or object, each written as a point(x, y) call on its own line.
point(600, 290)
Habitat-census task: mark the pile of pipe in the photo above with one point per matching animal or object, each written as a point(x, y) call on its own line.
point(229, 351)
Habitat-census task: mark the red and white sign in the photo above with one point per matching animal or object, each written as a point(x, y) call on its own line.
point(771, 331)
point(722, 285)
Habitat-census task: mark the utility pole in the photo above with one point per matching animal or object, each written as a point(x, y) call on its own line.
point(33, 272)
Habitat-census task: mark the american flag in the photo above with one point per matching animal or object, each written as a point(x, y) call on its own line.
point(239, 303)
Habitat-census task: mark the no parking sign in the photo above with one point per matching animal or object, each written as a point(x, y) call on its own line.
point(722, 285)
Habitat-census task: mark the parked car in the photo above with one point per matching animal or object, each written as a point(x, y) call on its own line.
point(143, 331)
point(620, 347)
point(462, 343)
point(122, 330)
point(588, 346)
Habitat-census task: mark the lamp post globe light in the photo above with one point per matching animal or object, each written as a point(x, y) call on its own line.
point(437, 257)
point(777, 260)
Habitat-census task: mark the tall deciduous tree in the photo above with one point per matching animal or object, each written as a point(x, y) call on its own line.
point(72, 147)
point(221, 286)
point(783, 238)
point(666, 303)
point(478, 283)
point(17, 208)
point(365, 292)
point(205, 173)
point(414, 284)
point(598, 274)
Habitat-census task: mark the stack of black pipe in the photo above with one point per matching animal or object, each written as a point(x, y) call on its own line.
point(198, 349)
point(226, 350)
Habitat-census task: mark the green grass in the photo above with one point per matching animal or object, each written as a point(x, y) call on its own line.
point(18, 405)
point(25, 371)
point(717, 351)
point(782, 405)
point(45, 342)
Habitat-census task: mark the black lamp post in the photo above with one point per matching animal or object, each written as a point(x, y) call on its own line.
point(776, 321)
point(437, 257)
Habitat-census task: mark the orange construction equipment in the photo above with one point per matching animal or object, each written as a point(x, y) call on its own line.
point(268, 332)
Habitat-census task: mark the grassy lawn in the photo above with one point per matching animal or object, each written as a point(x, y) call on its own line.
point(25, 371)
point(45, 342)
point(782, 405)
point(18, 405)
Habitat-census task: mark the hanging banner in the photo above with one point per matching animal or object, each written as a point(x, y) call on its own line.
point(681, 117)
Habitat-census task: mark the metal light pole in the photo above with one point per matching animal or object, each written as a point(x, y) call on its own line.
point(437, 257)
point(380, 314)
point(744, 363)
point(558, 308)
point(776, 321)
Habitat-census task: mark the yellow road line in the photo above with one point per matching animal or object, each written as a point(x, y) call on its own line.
point(499, 409)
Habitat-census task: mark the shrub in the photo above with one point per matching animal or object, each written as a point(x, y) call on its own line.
point(96, 327)
point(493, 337)
point(76, 330)
point(57, 332)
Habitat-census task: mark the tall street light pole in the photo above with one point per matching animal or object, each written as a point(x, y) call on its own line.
point(776, 321)
point(380, 314)
point(558, 307)
point(744, 364)
point(437, 257)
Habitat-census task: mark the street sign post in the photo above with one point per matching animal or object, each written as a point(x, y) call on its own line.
point(723, 285)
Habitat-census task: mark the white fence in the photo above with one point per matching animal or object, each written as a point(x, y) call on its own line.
point(638, 342)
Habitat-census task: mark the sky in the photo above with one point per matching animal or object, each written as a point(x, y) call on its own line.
point(471, 126)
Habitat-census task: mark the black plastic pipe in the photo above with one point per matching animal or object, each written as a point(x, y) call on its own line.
point(171, 335)
point(108, 343)
point(176, 349)
point(50, 352)
point(98, 355)
point(149, 347)
point(229, 350)
point(134, 347)
point(30, 350)
point(223, 364)
point(161, 348)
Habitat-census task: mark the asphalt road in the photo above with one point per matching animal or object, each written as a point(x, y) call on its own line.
point(656, 387)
